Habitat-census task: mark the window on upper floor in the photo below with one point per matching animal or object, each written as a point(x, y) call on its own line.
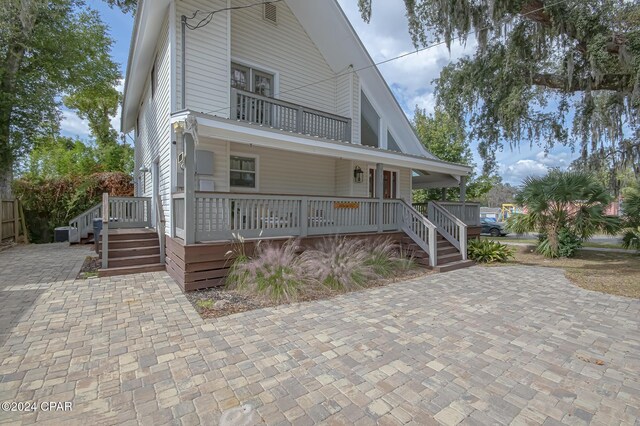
point(251, 80)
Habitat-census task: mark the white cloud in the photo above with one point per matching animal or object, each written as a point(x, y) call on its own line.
point(536, 165)
point(521, 169)
point(72, 125)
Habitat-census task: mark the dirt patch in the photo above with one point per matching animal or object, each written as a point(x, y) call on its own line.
point(89, 268)
point(220, 301)
point(606, 272)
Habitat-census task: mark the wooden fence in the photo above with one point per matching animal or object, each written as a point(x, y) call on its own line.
point(12, 224)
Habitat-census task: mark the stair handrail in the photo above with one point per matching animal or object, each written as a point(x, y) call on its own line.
point(83, 221)
point(105, 230)
point(160, 227)
point(450, 227)
point(420, 229)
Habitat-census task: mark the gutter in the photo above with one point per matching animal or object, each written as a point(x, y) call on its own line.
point(132, 44)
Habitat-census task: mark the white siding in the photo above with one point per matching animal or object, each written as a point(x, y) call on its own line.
point(287, 49)
point(154, 138)
point(207, 58)
point(220, 151)
point(355, 119)
point(344, 177)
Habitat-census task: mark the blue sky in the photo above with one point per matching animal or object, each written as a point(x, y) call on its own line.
point(410, 78)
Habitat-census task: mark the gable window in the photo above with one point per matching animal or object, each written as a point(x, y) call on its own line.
point(251, 80)
point(369, 123)
point(243, 172)
point(154, 80)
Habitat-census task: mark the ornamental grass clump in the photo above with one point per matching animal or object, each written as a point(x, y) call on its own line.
point(340, 264)
point(274, 272)
point(387, 258)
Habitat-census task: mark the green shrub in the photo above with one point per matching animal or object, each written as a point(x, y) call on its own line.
point(489, 251)
point(49, 203)
point(568, 244)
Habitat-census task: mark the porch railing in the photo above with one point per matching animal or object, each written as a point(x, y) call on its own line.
point(450, 227)
point(420, 229)
point(122, 212)
point(469, 213)
point(223, 216)
point(277, 114)
point(82, 225)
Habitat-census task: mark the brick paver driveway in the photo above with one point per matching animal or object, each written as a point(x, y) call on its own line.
point(478, 346)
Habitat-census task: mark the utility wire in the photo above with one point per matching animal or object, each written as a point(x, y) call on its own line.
point(385, 61)
point(209, 15)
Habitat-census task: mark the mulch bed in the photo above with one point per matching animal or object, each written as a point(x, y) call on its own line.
point(232, 302)
point(89, 268)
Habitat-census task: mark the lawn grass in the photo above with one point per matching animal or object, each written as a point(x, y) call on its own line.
point(526, 240)
point(606, 272)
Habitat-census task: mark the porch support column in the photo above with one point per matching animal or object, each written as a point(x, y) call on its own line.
point(189, 189)
point(380, 193)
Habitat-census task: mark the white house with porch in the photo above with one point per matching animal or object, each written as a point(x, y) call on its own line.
point(266, 120)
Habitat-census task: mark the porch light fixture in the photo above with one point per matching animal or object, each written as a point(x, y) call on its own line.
point(144, 169)
point(357, 174)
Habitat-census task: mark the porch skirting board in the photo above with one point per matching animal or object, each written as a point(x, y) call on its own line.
point(473, 232)
point(205, 265)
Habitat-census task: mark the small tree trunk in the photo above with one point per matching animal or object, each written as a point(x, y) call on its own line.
point(6, 177)
point(554, 240)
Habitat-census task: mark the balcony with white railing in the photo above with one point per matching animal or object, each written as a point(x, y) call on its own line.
point(286, 116)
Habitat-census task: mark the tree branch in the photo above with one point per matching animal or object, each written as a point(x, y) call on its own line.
point(615, 82)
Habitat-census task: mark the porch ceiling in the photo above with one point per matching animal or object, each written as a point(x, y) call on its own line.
point(234, 131)
point(434, 180)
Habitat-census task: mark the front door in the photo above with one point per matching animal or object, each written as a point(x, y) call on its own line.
point(389, 184)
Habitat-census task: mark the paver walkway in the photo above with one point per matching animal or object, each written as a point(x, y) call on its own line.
point(478, 346)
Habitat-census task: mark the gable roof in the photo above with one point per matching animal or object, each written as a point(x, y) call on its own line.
point(328, 27)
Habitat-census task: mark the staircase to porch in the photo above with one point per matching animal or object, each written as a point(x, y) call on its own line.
point(448, 259)
point(129, 241)
point(130, 251)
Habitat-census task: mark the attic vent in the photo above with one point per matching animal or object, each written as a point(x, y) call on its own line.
point(270, 13)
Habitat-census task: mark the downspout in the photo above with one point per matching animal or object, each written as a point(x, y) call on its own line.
point(183, 97)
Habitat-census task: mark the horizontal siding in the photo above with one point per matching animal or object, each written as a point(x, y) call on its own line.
point(355, 119)
point(207, 58)
point(285, 48)
point(220, 151)
point(344, 176)
point(154, 135)
point(282, 172)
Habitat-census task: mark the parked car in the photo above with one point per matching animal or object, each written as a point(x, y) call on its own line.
point(495, 229)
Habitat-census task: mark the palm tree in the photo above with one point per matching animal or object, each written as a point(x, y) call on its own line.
point(562, 204)
point(631, 209)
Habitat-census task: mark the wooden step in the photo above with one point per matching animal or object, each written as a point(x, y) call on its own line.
point(120, 262)
point(121, 244)
point(135, 251)
point(452, 266)
point(126, 270)
point(131, 234)
point(447, 250)
point(448, 258)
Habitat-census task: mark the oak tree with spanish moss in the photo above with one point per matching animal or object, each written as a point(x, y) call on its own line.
point(543, 72)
